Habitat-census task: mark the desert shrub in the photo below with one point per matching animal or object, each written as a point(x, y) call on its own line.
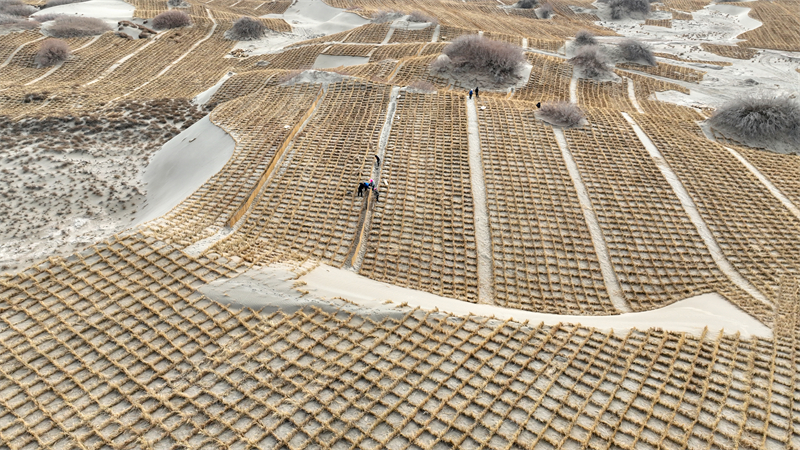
point(590, 62)
point(16, 8)
point(384, 16)
point(171, 19)
point(760, 118)
point(421, 85)
point(545, 11)
point(635, 51)
point(177, 3)
point(526, 4)
point(477, 55)
point(584, 37)
point(51, 52)
point(629, 8)
point(77, 26)
point(246, 29)
point(42, 18)
point(441, 63)
point(562, 114)
point(419, 16)
point(51, 3)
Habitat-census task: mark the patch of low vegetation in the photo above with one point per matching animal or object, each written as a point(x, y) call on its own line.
point(77, 26)
point(635, 9)
point(590, 62)
point(246, 29)
point(762, 119)
point(51, 3)
point(561, 114)
point(42, 18)
point(177, 4)
point(419, 16)
point(637, 52)
point(51, 52)
point(171, 19)
point(526, 4)
point(384, 16)
point(545, 11)
point(476, 57)
point(15, 8)
point(583, 38)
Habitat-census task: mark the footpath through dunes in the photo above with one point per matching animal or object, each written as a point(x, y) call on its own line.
point(307, 207)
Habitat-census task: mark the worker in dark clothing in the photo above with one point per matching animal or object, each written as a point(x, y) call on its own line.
point(361, 188)
point(470, 94)
point(539, 104)
point(377, 194)
point(377, 161)
point(477, 93)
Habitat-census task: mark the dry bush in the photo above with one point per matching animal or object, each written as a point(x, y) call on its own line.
point(384, 16)
point(77, 26)
point(479, 56)
point(171, 19)
point(590, 62)
point(289, 75)
point(764, 119)
point(526, 4)
point(421, 85)
point(562, 114)
point(545, 11)
point(637, 9)
point(16, 8)
point(635, 51)
point(51, 3)
point(246, 29)
point(584, 37)
point(42, 18)
point(52, 52)
point(177, 4)
point(419, 16)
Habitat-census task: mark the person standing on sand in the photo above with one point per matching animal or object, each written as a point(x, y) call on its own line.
point(470, 94)
point(377, 194)
point(361, 187)
point(371, 184)
point(477, 93)
point(377, 161)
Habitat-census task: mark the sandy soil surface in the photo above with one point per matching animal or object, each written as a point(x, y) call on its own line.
point(309, 19)
point(278, 288)
point(112, 11)
point(72, 181)
point(332, 62)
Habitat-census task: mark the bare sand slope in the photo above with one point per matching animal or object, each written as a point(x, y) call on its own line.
point(275, 288)
point(182, 165)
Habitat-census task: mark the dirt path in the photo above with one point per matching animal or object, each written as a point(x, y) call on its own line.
point(694, 215)
point(483, 235)
point(598, 239)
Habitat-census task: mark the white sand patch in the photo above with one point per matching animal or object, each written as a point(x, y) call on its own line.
point(632, 96)
point(694, 215)
point(182, 165)
point(275, 288)
point(111, 11)
point(330, 61)
point(309, 19)
point(203, 97)
point(598, 239)
point(483, 235)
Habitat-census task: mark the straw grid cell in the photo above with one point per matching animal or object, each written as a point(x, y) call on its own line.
point(11, 41)
point(396, 51)
point(422, 234)
point(678, 58)
point(260, 123)
point(672, 71)
point(139, 371)
point(308, 208)
point(301, 58)
point(447, 34)
point(511, 39)
point(680, 15)
point(549, 79)
point(372, 33)
point(605, 94)
point(241, 85)
point(657, 253)
point(22, 69)
point(378, 72)
point(433, 48)
point(550, 45)
point(730, 51)
point(645, 87)
point(750, 224)
point(412, 69)
point(686, 5)
point(544, 259)
point(410, 35)
point(350, 50)
point(780, 169)
point(666, 23)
